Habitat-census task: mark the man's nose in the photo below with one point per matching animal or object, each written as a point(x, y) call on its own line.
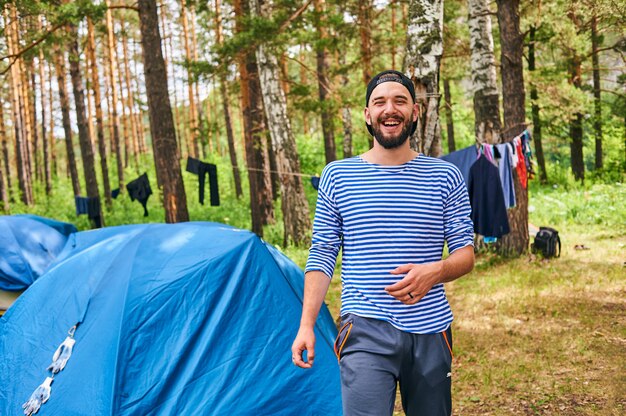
point(390, 108)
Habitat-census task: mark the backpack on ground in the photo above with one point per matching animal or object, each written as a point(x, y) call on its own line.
point(547, 242)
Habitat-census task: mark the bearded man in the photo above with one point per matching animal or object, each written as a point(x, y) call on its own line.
point(390, 211)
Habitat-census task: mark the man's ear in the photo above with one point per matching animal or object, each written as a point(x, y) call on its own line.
point(368, 118)
point(417, 111)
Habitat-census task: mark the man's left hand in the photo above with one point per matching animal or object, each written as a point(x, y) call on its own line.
point(419, 279)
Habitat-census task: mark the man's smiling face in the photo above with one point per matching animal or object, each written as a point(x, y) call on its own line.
point(391, 113)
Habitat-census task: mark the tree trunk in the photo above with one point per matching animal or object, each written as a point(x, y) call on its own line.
point(36, 148)
point(365, 34)
point(111, 47)
point(304, 81)
point(576, 125)
point(44, 132)
point(487, 126)
point(54, 166)
point(27, 108)
point(193, 123)
point(166, 157)
point(511, 40)
point(346, 116)
point(130, 101)
point(59, 64)
point(323, 82)
point(534, 98)
point(226, 107)
point(294, 203)
point(168, 50)
point(139, 115)
point(449, 118)
point(95, 85)
point(124, 120)
point(254, 129)
point(4, 190)
point(597, 120)
point(19, 122)
point(86, 147)
point(421, 64)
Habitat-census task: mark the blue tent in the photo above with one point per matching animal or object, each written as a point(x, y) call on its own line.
point(192, 318)
point(28, 244)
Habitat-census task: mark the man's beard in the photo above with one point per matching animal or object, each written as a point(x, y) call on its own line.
point(393, 141)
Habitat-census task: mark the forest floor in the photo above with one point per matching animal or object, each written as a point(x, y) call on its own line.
point(543, 337)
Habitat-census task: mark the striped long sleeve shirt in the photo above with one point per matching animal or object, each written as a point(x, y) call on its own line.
point(382, 217)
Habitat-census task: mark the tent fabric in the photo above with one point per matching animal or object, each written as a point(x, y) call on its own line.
point(28, 245)
point(174, 319)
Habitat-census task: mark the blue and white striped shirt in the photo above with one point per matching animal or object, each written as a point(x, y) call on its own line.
point(383, 217)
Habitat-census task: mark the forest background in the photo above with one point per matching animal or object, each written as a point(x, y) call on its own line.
point(95, 93)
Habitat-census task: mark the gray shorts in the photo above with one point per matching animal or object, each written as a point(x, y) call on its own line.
point(374, 357)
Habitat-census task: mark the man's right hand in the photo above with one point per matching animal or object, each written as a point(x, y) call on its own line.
point(305, 341)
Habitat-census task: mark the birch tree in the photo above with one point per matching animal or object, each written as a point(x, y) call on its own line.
point(421, 64)
point(484, 83)
point(294, 203)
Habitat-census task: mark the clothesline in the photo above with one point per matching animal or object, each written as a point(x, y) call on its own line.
point(306, 175)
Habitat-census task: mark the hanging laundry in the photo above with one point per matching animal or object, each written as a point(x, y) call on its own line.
point(522, 173)
point(506, 173)
point(89, 206)
point(201, 169)
point(487, 200)
point(140, 190)
point(463, 159)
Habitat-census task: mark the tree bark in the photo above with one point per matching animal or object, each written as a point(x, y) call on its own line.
point(294, 203)
point(226, 107)
point(487, 126)
point(449, 118)
point(59, 64)
point(254, 130)
point(193, 122)
point(115, 122)
point(4, 190)
point(511, 40)
point(130, 101)
point(37, 166)
point(86, 147)
point(95, 85)
point(534, 98)
point(421, 64)
point(44, 133)
point(54, 166)
point(597, 120)
point(166, 157)
point(168, 50)
point(19, 118)
point(323, 82)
